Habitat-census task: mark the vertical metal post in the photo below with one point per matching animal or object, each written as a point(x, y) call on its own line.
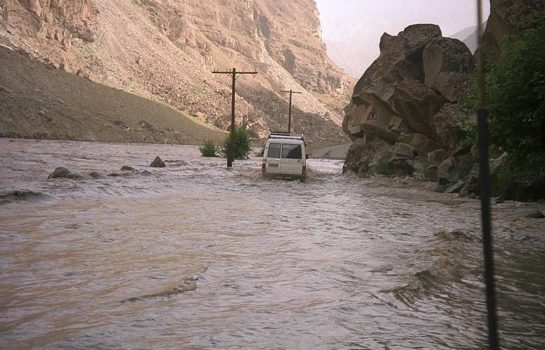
point(484, 174)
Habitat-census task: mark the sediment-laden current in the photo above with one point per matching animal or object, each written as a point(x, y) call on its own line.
point(195, 256)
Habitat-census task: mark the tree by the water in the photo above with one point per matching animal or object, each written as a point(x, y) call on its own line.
point(242, 143)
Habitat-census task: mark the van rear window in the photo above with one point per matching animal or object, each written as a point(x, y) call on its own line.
point(274, 150)
point(291, 151)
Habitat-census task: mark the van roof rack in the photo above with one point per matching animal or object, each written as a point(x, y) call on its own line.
point(285, 135)
point(280, 133)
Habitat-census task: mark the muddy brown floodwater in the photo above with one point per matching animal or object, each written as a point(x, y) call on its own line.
point(195, 256)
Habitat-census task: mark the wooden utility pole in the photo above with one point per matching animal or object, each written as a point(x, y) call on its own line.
point(289, 115)
point(231, 146)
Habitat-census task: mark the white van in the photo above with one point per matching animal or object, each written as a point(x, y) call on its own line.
point(285, 156)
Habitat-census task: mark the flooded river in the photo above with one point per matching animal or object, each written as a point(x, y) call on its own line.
point(195, 256)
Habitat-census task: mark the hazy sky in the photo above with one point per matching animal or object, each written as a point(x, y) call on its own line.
point(364, 21)
point(369, 17)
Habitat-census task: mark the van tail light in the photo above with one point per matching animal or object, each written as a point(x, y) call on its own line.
point(304, 170)
point(263, 167)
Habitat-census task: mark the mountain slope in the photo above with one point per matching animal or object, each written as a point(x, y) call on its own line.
point(351, 56)
point(39, 101)
point(469, 36)
point(167, 50)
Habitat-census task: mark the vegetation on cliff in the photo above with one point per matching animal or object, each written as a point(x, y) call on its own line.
point(515, 87)
point(516, 99)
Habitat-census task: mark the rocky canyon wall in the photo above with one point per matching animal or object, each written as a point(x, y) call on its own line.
point(167, 49)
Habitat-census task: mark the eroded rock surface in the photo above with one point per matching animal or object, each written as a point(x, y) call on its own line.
point(409, 100)
point(505, 16)
point(403, 102)
point(448, 67)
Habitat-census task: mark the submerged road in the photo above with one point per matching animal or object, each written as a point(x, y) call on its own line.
point(195, 256)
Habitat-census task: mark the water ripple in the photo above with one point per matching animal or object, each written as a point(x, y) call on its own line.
point(335, 262)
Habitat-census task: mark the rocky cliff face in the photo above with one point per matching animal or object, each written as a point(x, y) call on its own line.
point(505, 17)
point(47, 28)
point(404, 117)
point(167, 49)
point(403, 108)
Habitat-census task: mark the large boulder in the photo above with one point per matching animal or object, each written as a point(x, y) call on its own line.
point(448, 124)
point(416, 104)
point(422, 144)
point(157, 163)
point(413, 38)
point(400, 167)
point(403, 93)
point(436, 157)
point(362, 155)
point(372, 118)
point(391, 97)
point(391, 84)
point(525, 190)
point(455, 168)
point(403, 150)
point(400, 56)
point(536, 214)
point(62, 172)
point(448, 67)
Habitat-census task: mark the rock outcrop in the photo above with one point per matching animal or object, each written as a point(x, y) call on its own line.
point(447, 67)
point(157, 163)
point(536, 214)
point(505, 17)
point(60, 20)
point(13, 195)
point(402, 107)
point(167, 50)
point(62, 172)
point(404, 116)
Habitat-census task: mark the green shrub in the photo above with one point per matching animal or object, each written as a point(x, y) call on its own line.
point(208, 149)
point(516, 99)
point(516, 94)
point(242, 143)
point(381, 165)
point(429, 174)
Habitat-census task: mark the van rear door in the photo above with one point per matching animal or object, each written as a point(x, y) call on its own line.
point(292, 159)
point(274, 150)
